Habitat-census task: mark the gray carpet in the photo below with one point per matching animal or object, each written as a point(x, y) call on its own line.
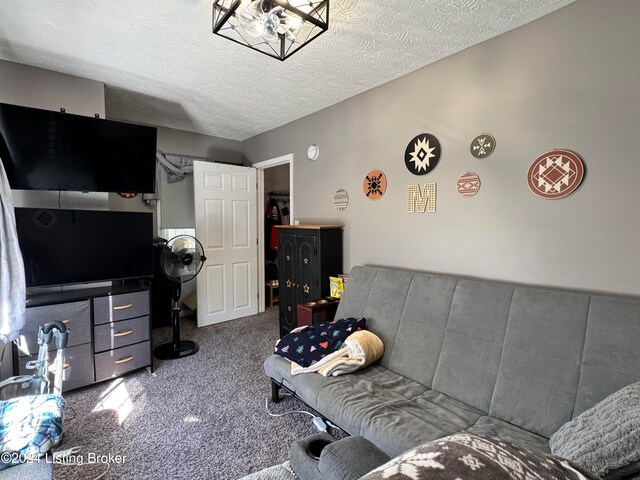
point(198, 417)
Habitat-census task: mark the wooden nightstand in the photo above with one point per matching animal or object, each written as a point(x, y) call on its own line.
point(317, 311)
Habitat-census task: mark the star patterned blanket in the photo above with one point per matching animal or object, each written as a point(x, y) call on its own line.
point(360, 350)
point(476, 457)
point(307, 345)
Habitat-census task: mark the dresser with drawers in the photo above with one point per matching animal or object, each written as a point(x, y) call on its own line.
point(109, 332)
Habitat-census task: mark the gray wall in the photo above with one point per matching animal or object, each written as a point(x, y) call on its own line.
point(568, 80)
point(177, 198)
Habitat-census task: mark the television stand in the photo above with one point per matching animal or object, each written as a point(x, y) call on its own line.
point(110, 332)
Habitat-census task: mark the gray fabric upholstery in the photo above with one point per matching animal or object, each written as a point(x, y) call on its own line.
point(473, 355)
point(303, 465)
point(472, 346)
point(540, 365)
point(611, 358)
point(494, 427)
point(396, 427)
point(384, 307)
point(606, 438)
point(307, 386)
point(350, 459)
point(350, 401)
point(422, 327)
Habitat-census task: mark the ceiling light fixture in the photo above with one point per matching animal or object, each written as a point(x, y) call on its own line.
point(278, 28)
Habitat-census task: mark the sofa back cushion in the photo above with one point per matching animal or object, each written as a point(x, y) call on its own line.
point(470, 358)
point(530, 356)
point(611, 358)
point(540, 365)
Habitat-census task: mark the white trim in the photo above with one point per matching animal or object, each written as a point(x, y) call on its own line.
point(261, 263)
point(274, 161)
point(261, 166)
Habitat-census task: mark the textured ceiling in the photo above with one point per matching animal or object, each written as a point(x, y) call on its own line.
point(162, 65)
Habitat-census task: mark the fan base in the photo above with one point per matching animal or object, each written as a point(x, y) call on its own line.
point(167, 352)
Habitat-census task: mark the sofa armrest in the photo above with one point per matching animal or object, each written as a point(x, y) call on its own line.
point(350, 459)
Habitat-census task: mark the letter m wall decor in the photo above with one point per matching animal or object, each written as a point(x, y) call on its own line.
point(418, 201)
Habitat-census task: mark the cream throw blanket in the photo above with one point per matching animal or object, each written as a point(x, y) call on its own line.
point(360, 349)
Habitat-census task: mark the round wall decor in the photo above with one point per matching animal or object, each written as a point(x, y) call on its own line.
point(555, 174)
point(483, 145)
point(468, 184)
point(341, 199)
point(375, 184)
point(422, 154)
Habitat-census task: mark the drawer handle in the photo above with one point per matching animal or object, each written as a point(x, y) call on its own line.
point(65, 366)
point(123, 307)
point(123, 334)
point(124, 360)
point(65, 321)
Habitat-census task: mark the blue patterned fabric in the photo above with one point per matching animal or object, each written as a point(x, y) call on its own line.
point(30, 426)
point(307, 345)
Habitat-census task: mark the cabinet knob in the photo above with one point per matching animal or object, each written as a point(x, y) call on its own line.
point(65, 321)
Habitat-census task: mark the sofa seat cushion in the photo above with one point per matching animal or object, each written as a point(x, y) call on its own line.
point(306, 385)
point(401, 425)
point(349, 402)
point(494, 427)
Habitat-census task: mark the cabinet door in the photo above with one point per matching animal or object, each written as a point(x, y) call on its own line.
point(287, 274)
point(307, 268)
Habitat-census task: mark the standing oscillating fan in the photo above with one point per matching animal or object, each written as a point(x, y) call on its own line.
point(181, 259)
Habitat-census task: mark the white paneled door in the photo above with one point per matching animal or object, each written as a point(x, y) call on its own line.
point(226, 225)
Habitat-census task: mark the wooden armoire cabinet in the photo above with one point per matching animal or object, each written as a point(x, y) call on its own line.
point(307, 256)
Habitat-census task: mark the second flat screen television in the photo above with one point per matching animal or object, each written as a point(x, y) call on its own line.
point(78, 246)
point(44, 150)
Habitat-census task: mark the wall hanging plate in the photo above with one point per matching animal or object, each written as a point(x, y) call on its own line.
point(375, 184)
point(341, 199)
point(468, 184)
point(422, 154)
point(483, 145)
point(555, 174)
point(127, 194)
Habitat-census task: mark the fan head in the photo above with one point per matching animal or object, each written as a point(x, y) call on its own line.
point(182, 258)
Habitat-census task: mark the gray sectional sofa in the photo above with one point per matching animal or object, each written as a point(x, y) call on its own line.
point(472, 355)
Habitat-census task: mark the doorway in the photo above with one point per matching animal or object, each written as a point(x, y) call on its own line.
point(275, 206)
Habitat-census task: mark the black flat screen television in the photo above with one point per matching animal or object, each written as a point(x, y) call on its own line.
point(44, 150)
point(62, 247)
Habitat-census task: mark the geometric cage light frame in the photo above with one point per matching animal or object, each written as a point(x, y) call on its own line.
point(298, 23)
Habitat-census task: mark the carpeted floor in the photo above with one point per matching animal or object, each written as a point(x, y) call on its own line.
point(198, 417)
